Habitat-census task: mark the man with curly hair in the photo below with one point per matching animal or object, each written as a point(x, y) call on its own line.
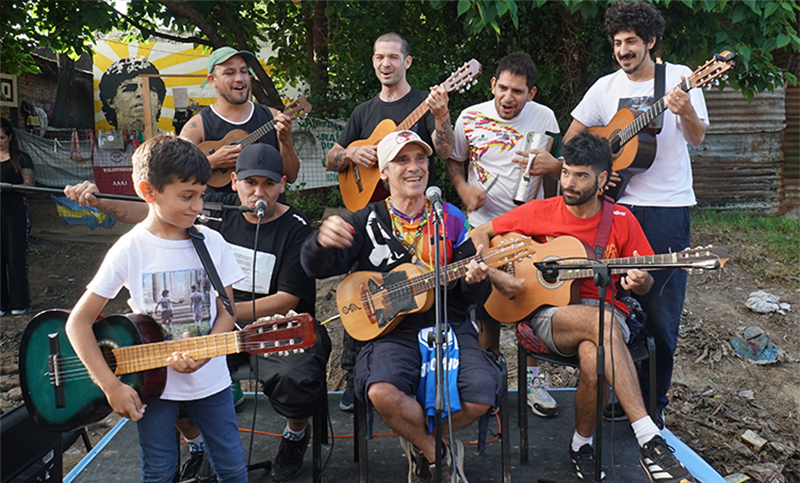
point(661, 196)
point(121, 94)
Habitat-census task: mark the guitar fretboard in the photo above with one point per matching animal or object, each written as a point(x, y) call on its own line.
point(632, 130)
point(258, 133)
point(413, 118)
point(664, 258)
point(153, 356)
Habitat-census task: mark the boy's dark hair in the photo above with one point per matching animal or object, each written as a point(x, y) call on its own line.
point(641, 17)
point(393, 37)
point(194, 287)
point(119, 72)
point(164, 293)
point(165, 159)
point(586, 149)
point(521, 64)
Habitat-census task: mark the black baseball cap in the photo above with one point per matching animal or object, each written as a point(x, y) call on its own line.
point(260, 160)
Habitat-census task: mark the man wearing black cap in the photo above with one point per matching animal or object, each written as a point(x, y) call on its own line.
point(293, 383)
point(229, 75)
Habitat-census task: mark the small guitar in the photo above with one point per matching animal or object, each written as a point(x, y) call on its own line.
point(221, 177)
point(60, 394)
point(371, 304)
point(558, 289)
point(358, 184)
point(633, 144)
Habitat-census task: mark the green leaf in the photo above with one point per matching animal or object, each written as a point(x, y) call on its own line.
point(783, 40)
point(787, 6)
point(770, 9)
point(790, 77)
point(753, 4)
point(739, 13)
point(502, 8)
point(463, 6)
point(721, 37)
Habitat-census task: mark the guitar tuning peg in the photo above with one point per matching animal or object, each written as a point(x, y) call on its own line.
point(461, 91)
point(475, 82)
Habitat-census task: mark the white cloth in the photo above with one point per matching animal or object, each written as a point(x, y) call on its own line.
point(146, 264)
point(490, 142)
point(668, 182)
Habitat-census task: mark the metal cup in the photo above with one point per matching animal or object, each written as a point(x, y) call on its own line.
point(525, 192)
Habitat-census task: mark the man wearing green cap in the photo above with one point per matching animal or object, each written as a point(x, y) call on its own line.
point(229, 75)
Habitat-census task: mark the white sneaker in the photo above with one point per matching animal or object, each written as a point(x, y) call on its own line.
point(540, 401)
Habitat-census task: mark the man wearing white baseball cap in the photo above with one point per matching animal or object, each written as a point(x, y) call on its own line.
point(229, 75)
point(387, 375)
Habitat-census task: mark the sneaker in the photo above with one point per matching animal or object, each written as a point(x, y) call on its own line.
point(238, 395)
point(660, 464)
point(346, 402)
point(583, 460)
point(660, 419)
point(18, 311)
point(452, 471)
point(289, 461)
point(540, 401)
point(197, 469)
point(418, 465)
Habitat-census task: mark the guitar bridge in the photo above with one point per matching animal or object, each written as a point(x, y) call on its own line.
point(54, 365)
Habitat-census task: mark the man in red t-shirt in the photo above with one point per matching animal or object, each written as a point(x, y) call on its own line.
point(573, 329)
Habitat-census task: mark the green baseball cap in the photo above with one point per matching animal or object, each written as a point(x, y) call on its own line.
point(222, 54)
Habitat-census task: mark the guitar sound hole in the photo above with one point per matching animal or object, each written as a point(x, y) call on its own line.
point(108, 356)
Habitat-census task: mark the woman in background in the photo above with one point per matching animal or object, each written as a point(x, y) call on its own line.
point(16, 167)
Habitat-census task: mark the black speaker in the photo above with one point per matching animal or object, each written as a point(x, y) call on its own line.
point(30, 454)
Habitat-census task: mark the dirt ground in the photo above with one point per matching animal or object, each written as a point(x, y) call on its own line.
point(716, 396)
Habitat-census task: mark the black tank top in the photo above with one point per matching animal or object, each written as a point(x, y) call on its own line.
point(215, 127)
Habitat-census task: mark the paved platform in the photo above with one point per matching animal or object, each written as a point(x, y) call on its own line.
point(116, 459)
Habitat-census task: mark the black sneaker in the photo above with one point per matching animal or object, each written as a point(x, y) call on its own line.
point(583, 460)
point(289, 461)
point(197, 469)
point(346, 402)
point(614, 412)
point(418, 465)
point(452, 470)
point(661, 465)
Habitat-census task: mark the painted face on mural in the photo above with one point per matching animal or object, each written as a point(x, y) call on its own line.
point(129, 108)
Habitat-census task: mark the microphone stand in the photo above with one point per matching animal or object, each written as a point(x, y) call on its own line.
point(213, 206)
point(439, 351)
point(602, 279)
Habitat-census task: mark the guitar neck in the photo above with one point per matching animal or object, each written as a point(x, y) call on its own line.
point(258, 133)
point(454, 271)
point(153, 356)
point(665, 258)
point(648, 116)
point(413, 118)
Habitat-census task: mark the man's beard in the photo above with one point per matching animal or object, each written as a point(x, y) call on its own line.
point(231, 99)
point(583, 198)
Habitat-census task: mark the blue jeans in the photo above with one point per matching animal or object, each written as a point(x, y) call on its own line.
point(216, 419)
point(667, 230)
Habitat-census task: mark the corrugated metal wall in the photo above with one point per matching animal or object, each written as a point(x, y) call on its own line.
point(740, 163)
point(790, 197)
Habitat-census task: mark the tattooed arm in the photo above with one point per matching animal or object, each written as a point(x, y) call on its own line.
point(124, 211)
point(338, 158)
point(443, 137)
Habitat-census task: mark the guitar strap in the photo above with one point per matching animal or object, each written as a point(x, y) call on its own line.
point(205, 258)
point(658, 92)
point(604, 229)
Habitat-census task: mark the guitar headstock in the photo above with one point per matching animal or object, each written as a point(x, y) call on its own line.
point(298, 107)
point(709, 72)
point(464, 78)
point(706, 258)
point(282, 334)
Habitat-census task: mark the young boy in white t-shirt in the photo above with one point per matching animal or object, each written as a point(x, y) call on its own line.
point(170, 174)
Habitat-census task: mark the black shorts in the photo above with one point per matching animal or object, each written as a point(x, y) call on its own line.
point(395, 358)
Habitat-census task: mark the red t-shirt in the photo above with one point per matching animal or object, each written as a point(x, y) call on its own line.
point(544, 220)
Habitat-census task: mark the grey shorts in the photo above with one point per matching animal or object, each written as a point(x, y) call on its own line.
point(542, 324)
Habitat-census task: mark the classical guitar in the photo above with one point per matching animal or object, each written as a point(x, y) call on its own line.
point(60, 394)
point(371, 304)
point(360, 185)
point(633, 143)
point(558, 288)
point(221, 177)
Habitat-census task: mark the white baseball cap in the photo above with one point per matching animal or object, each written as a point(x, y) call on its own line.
point(394, 142)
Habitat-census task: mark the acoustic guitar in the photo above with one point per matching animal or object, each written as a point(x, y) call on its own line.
point(557, 288)
point(371, 304)
point(630, 134)
point(359, 185)
point(222, 176)
point(61, 395)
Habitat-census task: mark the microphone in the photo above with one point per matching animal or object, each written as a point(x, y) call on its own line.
point(261, 208)
point(434, 195)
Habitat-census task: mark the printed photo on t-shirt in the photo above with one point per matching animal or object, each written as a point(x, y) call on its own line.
point(179, 300)
point(642, 103)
